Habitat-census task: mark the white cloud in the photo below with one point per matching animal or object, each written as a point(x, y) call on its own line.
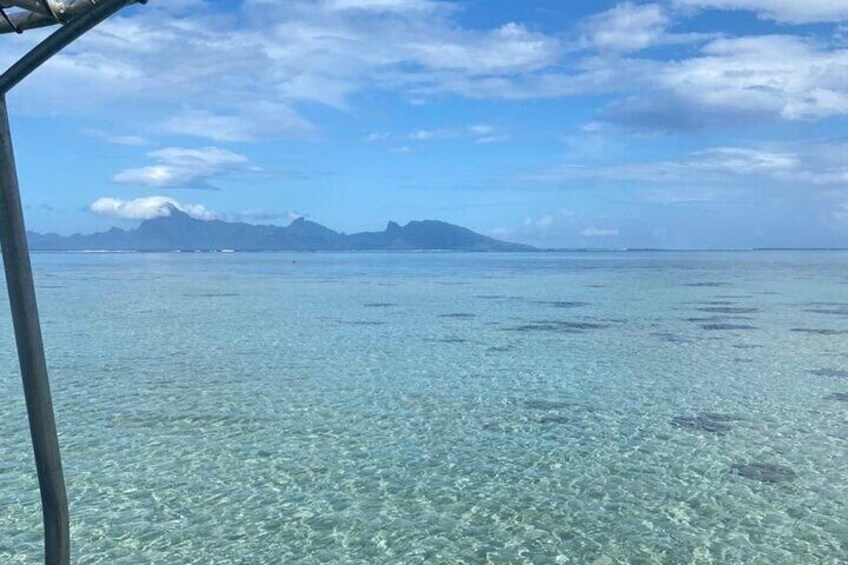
point(595, 232)
point(814, 163)
point(254, 122)
point(626, 27)
point(255, 70)
point(786, 75)
point(385, 5)
point(116, 139)
point(496, 138)
point(543, 229)
point(511, 48)
point(745, 161)
point(178, 167)
point(788, 11)
point(481, 133)
point(250, 82)
point(147, 208)
point(692, 178)
point(734, 81)
point(543, 222)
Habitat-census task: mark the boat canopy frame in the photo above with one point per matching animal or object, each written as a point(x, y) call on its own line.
point(76, 17)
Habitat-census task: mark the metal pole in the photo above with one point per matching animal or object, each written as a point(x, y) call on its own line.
point(42, 423)
point(22, 299)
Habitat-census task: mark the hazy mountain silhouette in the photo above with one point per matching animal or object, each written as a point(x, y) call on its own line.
point(179, 231)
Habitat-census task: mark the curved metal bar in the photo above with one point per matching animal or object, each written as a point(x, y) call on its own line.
point(42, 423)
point(63, 37)
point(22, 297)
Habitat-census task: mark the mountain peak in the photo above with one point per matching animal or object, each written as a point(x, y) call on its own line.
point(180, 231)
point(174, 214)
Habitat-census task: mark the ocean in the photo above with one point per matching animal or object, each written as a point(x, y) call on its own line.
point(633, 407)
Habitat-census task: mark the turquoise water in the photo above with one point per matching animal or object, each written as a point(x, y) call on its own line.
point(439, 408)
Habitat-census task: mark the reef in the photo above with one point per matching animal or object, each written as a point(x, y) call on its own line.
point(832, 373)
point(764, 472)
point(704, 422)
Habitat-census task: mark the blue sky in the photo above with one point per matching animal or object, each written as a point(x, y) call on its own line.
point(677, 123)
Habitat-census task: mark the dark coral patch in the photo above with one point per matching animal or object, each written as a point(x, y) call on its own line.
point(820, 331)
point(718, 319)
point(834, 311)
point(764, 472)
point(458, 316)
point(557, 326)
point(563, 303)
point(729, 310)
point(501, 349)
point(450, 340)
point(379, 305)
point(555, 419)
point(704, 422)
point(727, 327)
point(831, 373)
point(707, 284)
point(838, 396)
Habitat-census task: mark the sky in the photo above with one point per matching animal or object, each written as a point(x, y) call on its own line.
point(559, 123)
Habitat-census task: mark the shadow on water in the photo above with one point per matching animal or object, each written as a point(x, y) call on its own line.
point(727, 327)
point(706, 284)
point(830, 373)
point(557, 326)
point(820, 331)
point(711, 422)
point(764, 472)
point(728, 310)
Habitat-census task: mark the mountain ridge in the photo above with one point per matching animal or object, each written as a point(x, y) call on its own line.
point(178, 231)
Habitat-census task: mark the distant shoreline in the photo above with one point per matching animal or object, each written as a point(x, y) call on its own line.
point(421, 251)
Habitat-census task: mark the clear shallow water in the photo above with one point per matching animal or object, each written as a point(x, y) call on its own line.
point(438, 408)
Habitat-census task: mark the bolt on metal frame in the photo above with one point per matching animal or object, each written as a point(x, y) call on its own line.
point(76, 17)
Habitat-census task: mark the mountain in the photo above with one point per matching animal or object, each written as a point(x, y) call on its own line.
point(179, 231)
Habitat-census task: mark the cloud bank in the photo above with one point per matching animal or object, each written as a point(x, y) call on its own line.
point(258, 81)
point(147, 208)
point(179, 167)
